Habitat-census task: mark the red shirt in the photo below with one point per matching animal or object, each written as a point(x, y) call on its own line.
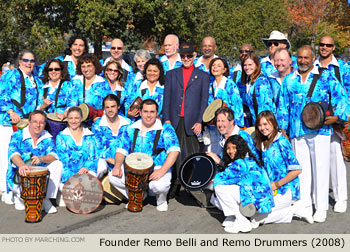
point(186, 74)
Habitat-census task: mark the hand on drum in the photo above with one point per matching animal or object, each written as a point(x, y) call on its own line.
point(197, 128)
point(134, 112)
point(215, 157)
point(117, 172)
point(15, 118)
point(83, 171)
point(331, 119)
point(156, 174)
point(61, 116)
point(23, 169)
point(35, 160)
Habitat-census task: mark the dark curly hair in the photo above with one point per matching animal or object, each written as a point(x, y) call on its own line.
point(242, 150)
point(155, 62)
point(64, 71)
point(87, 58)
point(71, 41)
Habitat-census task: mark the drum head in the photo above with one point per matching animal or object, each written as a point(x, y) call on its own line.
point(22, 124)
point(85, 109)
point(197, 171)
point(138, 161)
point(37, 170)
point(251, 131)
point(209, 113)
point(53, 117)
point(82, 193)
point(313, 116)
point(111, 194)
point(247, 210)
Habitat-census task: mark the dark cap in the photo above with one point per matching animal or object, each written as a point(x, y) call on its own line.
point(186, 47)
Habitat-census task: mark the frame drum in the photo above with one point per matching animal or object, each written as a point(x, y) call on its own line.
point(314, 115)
point(82, 193)
point(209, 112)
point(110, 193)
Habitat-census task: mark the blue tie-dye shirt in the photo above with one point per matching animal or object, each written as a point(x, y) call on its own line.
point(165, 62)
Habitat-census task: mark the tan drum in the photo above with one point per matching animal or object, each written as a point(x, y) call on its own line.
point(82, 193)
point(209, 112)
point(251, 131)
point(21, 125)
point(138, 167)
point(110, 193)
point(136, 104)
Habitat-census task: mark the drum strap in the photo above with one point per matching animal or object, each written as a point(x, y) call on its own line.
point(337, 73)
point(84, 90)
point(314, 81)
point(143, 91)
point(119, 94)
point(212, 90)
point(125, 75)
point(255, 103)
point(23, 95)
point(235, 76)
point(46, 90)
point(155, 150)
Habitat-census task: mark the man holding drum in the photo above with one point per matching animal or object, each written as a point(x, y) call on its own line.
point(311, 146)
point(33, 146)
point(141, 136)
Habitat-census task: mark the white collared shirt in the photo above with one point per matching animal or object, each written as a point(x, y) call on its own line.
point(221, 84)
point(122, 122)
point(144, 86)
point(86, 132)
point(156, 126)
point(26, 135)
point(296, 73)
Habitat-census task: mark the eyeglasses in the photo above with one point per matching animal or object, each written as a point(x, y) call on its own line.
point(245, 51)
point(54, 69)
point(112, 70)
point(28, 60)
point(116, 48)
point(270, 43)
point(326, 45)
point(188, 56)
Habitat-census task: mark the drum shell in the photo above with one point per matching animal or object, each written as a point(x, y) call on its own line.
point(34, 184)
point(55, 126)
point(89, 112)
point(197, 171)
point(136, 104)
point(314, 115)
point(21, 125)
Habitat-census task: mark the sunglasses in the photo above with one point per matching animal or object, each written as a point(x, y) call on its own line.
point(28, 60)
point(326, 45)
point(245, 51)
point(188, 56)
point(54, 69)
point(116, 48)
point(275, 43)
point(112, 70)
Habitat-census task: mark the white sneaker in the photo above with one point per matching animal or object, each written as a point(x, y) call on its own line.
point(228, 221)
point(303, 213)
point(48, 207)
point(163, 207)
point(19, 203)
point(59, 200)
point(320, 216)
point(8, 198)
point(254, 223)
point(243, 226)
point(340, 206)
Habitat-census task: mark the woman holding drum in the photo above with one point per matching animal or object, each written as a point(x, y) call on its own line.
point(225, 89)
point(243, 182)
point(258, 89)
point(151, 87)
point(76, 147)
point(281, 166)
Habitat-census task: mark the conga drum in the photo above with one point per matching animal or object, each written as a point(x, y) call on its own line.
point(345, 143)
point(110, 193)
point(209, 112)
point(33, 191)
point(138, 167)
point(21, 125)
point(82, 193)
point(89, 112)
point(136, 104)
point(54, 125)
point(314, 114)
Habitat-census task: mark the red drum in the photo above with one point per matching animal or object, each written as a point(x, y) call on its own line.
point(345, 144)
point(21, 125)
point(33, 191)
point(138, 167)
point(136, 104)
point(82, 193)
point(89, 112)
point(54, 125)
point(209, 112)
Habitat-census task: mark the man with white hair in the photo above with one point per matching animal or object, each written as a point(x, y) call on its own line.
point(171, 59)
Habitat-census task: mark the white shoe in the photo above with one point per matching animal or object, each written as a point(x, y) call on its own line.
point(303, 213)
point(126, 205)
point(163, 207)
point(228, 221)
point(8, 198)
point(320, 216)
point(19, 203)
point(48, 207)
point(340, 206)
point(243, 226)
point(254, 223)
point(59, 200)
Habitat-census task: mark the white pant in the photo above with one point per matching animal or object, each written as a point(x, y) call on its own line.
point(228, 200)
point(158, 187)
point(313, 154)
point(338, 170)
point(5, 136)
point(102, 168)
point(55, 169)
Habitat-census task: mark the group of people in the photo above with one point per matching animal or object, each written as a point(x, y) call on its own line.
point(282, 170)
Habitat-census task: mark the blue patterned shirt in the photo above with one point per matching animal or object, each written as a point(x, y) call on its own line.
point(21, 144)
point(71, 67)
point(168, 140)
point(165, 62)
point(198, 63)
point(293, 100)
point(235, 69)
point(75, 156)
point(267, 67)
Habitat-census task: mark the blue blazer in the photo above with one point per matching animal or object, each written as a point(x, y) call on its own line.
point(196, 97)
